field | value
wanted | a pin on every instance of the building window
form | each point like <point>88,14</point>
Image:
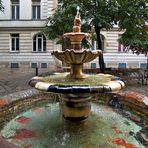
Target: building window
<point>34,65</point>
<point>93,65</point>
<point>36,11</point>
<point>43,65</point>
<point>39,43</point>
<point>15,42</point>
<point>121,65</point>
<point>15,10</point>
<point>143,65</point>
<point>121,47</point>
<point>14,65</point>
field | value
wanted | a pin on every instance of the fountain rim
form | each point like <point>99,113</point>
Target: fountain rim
<point>111,86</point>
<point>76,33</point>
<point>98,51</point>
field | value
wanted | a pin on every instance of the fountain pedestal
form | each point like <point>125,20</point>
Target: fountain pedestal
<point>76,72</point>
<point>75,107</point>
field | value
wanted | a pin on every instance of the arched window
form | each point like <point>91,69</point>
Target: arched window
<point>39,43</point>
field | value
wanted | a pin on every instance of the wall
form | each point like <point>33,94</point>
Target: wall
<point>7,14</point>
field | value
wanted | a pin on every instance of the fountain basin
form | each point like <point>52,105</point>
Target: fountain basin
<point>76,95</point>
<point>36,121</point>
<point>58,83</point>
<point>76,37</point>
<point>71,56</point>
<point>76,58</point>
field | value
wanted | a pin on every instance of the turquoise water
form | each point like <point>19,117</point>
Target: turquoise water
<point>44,127</point>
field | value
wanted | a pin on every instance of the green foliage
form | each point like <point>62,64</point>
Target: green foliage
<point>135,37</point>
<point>129,15</point>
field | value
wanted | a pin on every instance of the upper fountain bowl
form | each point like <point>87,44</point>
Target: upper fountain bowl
<point>76,36</point>
<point>72,56</point>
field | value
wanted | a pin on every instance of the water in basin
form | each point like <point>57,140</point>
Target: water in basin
<point>44,127</point>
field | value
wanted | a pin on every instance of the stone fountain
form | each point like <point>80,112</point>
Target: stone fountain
<point>36,121</point>
<point>75,102</point>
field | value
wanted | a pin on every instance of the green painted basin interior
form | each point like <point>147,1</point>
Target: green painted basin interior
<point>44,127</point>
<point>91,79</point>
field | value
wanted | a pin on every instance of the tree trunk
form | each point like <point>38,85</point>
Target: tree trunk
<point>101,58</point>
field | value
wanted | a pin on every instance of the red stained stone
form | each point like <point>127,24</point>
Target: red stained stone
<point>23,120</point>
<point>2,102</point>
<point>132,95</point>
<point>24,133</point>
<point>5,144</point>
<point>129,145</point>
<point>37,110</point>
<point>28,146</point>
<point>135,118</point>
<point>119,141</point>
<point>107,109</point>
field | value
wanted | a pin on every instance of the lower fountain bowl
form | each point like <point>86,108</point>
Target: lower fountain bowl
<point>75,99</point>
<point>37,122</point>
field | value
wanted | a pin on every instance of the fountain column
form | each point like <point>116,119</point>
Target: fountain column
<point>76,72</point>
<point>76,45</point>
<point>75,107</point>
<point>76,38</point>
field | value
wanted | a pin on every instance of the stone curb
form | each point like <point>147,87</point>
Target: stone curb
<point>17,95</point>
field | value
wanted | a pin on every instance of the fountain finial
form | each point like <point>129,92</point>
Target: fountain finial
<point>77,21</point>
<point>78,9</point>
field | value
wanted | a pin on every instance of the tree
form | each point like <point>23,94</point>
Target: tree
<point>102,14</point>
<point>135,37</point>
<point>56,27</point>
<point>1,6</point>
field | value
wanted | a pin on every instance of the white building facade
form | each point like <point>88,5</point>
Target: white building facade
<point>115,55</point>
<point>23,45</point>
<point>21,40</point>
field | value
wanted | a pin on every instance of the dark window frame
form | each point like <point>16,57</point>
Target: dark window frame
<point>14,65</point>
<point>44,65</point>
<point>15,10</point>
<point>34,65</point>
<point>36,11</point>
<point>39,43</point>
<point>15,42</point>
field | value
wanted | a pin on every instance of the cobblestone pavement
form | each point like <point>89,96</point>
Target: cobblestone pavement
<point>15,80</point>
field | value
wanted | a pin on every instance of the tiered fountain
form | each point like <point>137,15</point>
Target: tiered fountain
<point>36,121</point>
<point>76,87</point>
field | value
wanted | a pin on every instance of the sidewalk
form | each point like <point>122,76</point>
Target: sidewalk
<point>15,80</point>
